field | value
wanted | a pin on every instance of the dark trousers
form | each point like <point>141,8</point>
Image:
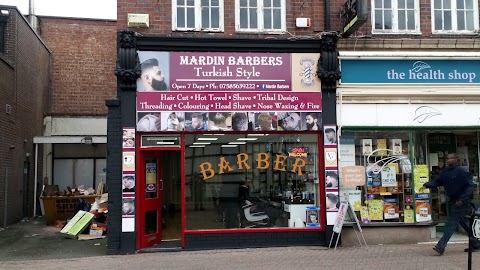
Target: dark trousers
<point>455,217</point>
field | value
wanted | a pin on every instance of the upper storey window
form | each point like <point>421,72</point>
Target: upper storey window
<point>198,15</point>
<point>454,16</point>
<point>395,16</point>
<point>266,16</point>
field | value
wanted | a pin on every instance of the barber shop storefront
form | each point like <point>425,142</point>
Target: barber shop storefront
<point>224,147</point>
<point>399,115</point>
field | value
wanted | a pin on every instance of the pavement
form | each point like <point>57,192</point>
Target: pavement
<point>32,245</point>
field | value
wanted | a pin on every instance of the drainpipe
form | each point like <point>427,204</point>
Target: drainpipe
<point>32,18</point>
<point>327,15</point>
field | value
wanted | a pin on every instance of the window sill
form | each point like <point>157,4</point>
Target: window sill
<point>280,32</point>
<point>456,33</point>
<point>397,33</point>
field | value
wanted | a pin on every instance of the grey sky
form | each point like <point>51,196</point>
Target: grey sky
<point>95,9</point>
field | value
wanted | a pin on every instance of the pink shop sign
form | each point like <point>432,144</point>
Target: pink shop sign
<point>216,71</point>
<point>229,101</point>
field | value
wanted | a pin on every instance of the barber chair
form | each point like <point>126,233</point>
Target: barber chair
<point>252,220</point>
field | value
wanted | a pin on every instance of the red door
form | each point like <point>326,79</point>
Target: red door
<point>149,199</point>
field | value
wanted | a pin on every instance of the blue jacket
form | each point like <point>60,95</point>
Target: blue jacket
<point>456,181</point>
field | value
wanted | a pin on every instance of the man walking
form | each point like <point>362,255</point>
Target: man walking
<point>459,188</point>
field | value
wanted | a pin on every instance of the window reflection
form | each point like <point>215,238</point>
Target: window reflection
<point>260,181</point>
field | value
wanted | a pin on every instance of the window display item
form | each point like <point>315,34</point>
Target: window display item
<point>366,147</point>
<point>396,146</point>
<point>390,208</point>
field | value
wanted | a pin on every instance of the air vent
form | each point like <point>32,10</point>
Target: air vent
<point>8,109</point>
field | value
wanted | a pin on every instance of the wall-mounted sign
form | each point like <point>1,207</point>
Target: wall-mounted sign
<point>262,161</point>
<point>410,71</point>
<point>228,101</point>
<point>222,71</point>
<point>353,14</point>
<point>298,152</point>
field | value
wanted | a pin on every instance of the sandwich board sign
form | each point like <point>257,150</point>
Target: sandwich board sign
<point>345,210</point>
<point>475,226</point>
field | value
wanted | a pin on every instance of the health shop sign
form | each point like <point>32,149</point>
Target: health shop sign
<point>410,71</point>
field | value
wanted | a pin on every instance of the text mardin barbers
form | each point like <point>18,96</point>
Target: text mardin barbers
<point>262,162</point>
<point>231,60</point>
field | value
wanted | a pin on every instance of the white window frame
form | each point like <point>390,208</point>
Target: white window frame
<point>260,27</point>
<point>453,4</point>
<point>198,18</point>
<point>395,29</point>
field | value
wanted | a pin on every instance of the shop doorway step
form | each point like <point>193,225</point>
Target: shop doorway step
<point>164,246</point>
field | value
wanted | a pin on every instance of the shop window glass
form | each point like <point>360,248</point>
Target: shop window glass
<point>256,180</point>
<point>455,16</point>
<point>376,175</point>
<point>74,173</point>
<point>260,15</point>
<point>198,15</point>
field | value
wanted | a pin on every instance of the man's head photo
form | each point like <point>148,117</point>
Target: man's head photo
<point>196,121</point>
<point>311,121</point>
<point>240,121</point>
<point>221,121</point>
<point>265,122</point>
<point>330,135</point>
<point>172,121</point>
<point>331,179</point>
<point>129,183</point>
<point>155,71</point>
<point>289,121</point>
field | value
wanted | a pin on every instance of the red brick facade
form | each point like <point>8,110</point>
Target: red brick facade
<point>84,53</point>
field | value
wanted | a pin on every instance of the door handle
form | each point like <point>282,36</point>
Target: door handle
<point>161,184</point>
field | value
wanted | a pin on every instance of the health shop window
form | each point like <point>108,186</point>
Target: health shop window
<point>395,16</point>
<point>197,15</point>
<point>376,175</point>
<point>236,181</point>
<point>260,16</point>
<point>459,16</point>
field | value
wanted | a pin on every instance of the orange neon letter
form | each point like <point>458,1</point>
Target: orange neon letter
<point>263,160</point>
<point>280,160</point>
<point>299,163</point>
<point>242,161</point>
<point>204,168</point>
<point>223,165</point>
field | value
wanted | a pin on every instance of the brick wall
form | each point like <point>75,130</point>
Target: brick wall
<point>24,85</point>
<point>161,16</point>
<point>84,54</point>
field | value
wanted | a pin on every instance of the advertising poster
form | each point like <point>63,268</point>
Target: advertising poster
<point>389,176</point>
<point>128,138</point>
<point>390,208</point>
<point>312,216</point>
<point>151,177</point>
<point>409,216</point>
<point>364,215</point>
<point>423,211</point>
<point>355,199</point>
<point>128,161</point>
<point>421,176</point>
<point>353,176</point>
<point>375,209</point>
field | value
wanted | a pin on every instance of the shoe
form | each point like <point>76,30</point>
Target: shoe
<point>473,250</point>
<point>438,250</point>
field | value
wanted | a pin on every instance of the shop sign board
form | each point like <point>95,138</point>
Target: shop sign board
<point>177,87</point>
<point>410,71</point>
<point>353,176</point>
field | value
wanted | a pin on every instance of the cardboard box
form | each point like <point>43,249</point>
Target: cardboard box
<point>95,232</point>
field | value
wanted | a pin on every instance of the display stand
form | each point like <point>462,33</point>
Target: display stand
<point>346,209</point>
